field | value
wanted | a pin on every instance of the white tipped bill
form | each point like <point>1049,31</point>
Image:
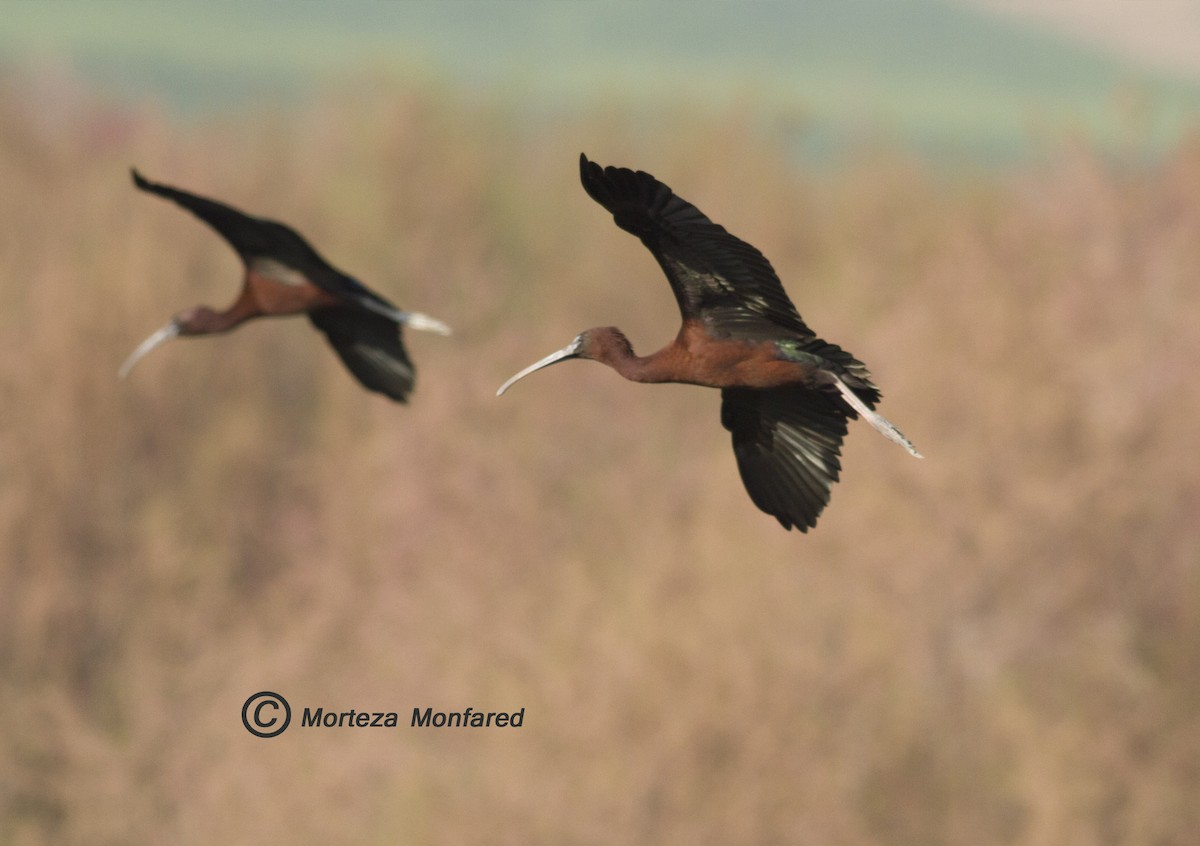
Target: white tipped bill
<point>571,350</point>
<point>161,336</point>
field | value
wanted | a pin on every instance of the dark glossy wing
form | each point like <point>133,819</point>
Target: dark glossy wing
<point>370,346</point>
<point>787,442</point>
<point>832,357</point>
<point>716,277</point>
<point>251,237</point>
<point>268,247</point>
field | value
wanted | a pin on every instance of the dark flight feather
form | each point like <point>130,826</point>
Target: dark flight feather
<point>370,346</point>
<point>716,277</point>
<point>787,442</point>
<point>266,246</point>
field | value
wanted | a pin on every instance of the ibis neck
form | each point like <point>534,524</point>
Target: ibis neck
<point>658,367</point>
<point>209,322</point>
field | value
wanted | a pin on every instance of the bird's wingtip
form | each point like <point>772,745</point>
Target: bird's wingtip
<point>138,180</point>
<point>591,175</point>
<point>587,166</point>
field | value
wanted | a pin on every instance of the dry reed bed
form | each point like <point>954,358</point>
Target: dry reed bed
<point>1000,644</point>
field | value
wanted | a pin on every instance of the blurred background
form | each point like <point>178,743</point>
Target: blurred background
<point>994,204</point>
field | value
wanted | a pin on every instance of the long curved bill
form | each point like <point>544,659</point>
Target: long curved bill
<point>171,330</point>
<point>571,350</point>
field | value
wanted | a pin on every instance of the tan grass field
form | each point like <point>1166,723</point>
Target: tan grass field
<point>997,645</point>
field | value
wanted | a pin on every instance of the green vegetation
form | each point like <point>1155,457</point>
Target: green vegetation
<point>944,80</point>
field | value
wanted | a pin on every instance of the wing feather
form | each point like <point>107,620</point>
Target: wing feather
<point>716,277</point>
<point>370,346</point>
<point>269,247</point>
<point>251,237</point>
<point>787,442</point>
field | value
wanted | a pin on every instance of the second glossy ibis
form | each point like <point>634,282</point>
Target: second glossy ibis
<point>785,393</point>
<point>284,275</point>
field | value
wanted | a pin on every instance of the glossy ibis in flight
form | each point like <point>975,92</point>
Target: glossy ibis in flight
<point>785,393</point>
<point>285,275</point>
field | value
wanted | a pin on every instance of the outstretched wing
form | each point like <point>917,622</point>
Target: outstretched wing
<point>716,277</point>
<point>370,346</point>
<point>251,237</point>
<point>268,247</point>
<point>787,442</point>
